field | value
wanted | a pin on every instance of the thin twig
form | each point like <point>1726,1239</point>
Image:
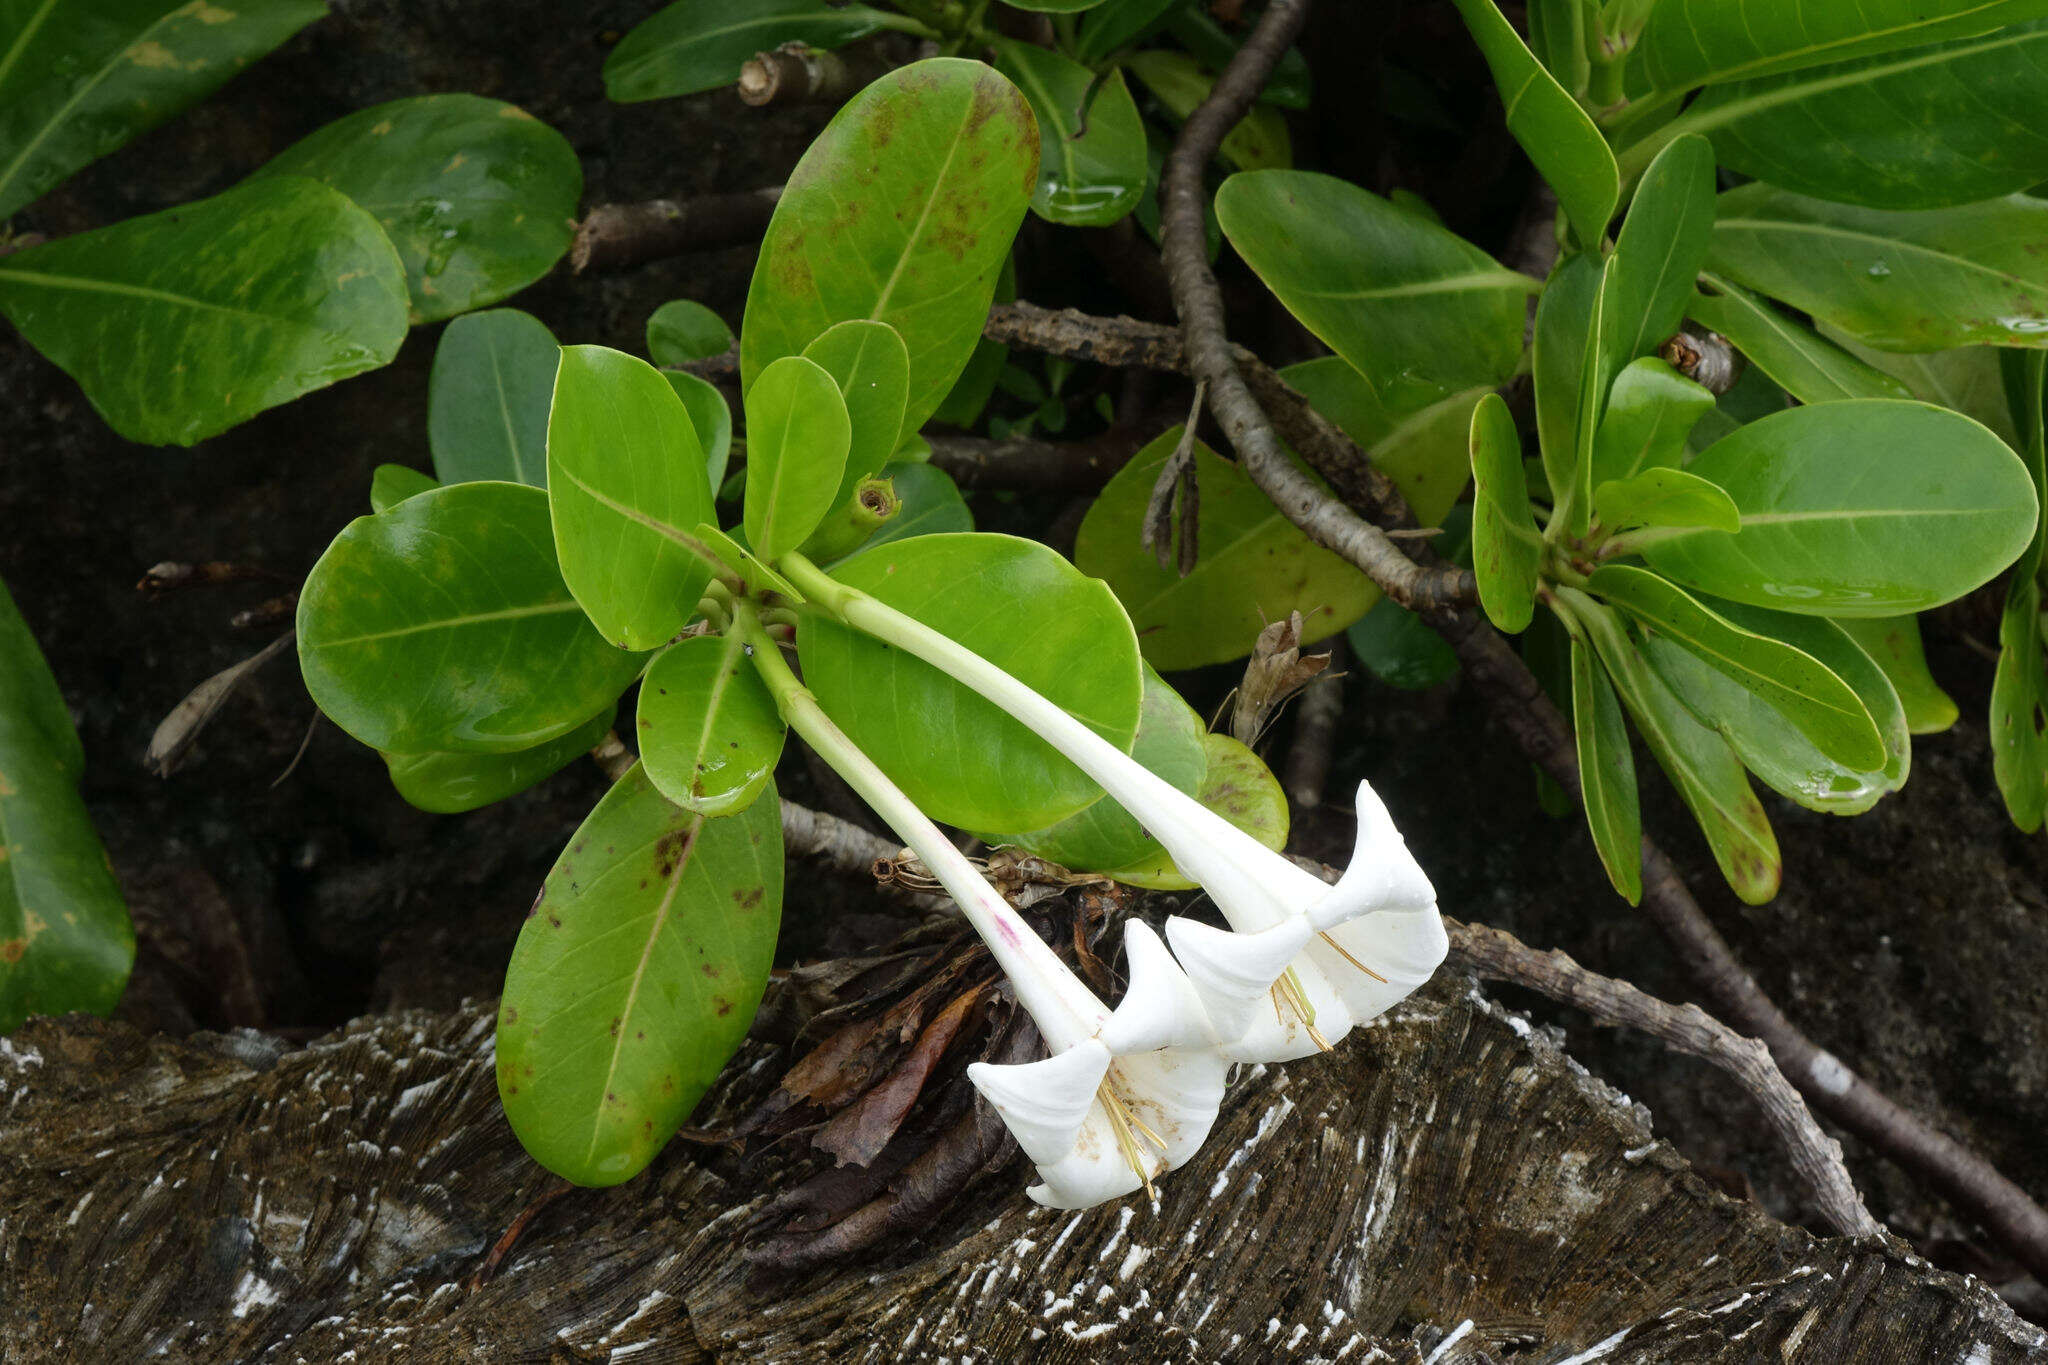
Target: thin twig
<point>613,757</point>
<point>620,236</point>
<point>1026,464</point>
<point>2008,1213</point>
<point>840,844</point>
<point>1497,956</point>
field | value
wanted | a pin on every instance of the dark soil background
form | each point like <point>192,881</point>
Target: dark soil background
<point>1913,941</point>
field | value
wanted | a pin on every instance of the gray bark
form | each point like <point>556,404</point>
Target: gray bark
<point>1449,1187</point>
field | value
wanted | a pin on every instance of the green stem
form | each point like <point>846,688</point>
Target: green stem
<point>1065,1010</point>
<point>1606,86</point>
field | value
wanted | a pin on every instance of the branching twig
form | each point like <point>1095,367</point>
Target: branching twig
<point>1497,956</point>
<point>621,236</point>
<point>2007,1212</point>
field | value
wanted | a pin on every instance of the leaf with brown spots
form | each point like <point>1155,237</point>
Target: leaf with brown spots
<point>65,940</point>
<point>625,998</point>
<point>902,212</point>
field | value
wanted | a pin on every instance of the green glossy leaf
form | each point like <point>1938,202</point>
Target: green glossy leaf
<point>709,731</point>
<point>1505,543</point>
<point>797,435</point>
<point>1117,24</point>
<point>1423,450</point>
<point>1866,507</point>
<point>701,44</point>
<point>931,505</point>
<point>1563,318</point>
<point>31,704</point>
<point>1807,365</point>
<point>78,80</point>
<point>1258,142</point>
<point>1899,281</point>
<point>635,978</point>
<point>1570,471</point>
<point>444,624</point>
<point>2019,708</point>
<point>1698,42</point>
<point>1254,566</point>
<point>1768,744</point>
<point>1924,128</point>
<point>1420,312</point>
<point>1105,835</point>
<point>1766,739</point>
<point>448,784</point>
<point>1650,411</point>
<point>1705,770</point>
<point>2019,688</point>
<point>391,484</point>
<point>1023,608</point>
<point>1607,774</point>
<point>1091,171</point>
<point>1237,785</point>
<point>65,939</point>
<point>1964,378</point>
<point>683,330</point>
<point>478,196</point>
<point>1055,6</point>
<point>1894,643</point>
<point>180,324</point>
<point>1830,643</point>
<point>868,362</point>
<point>1663,244</point>
<point>1664,497</point>
<point>626,482</point>
<point>1800,687</point>
<point>902,211</point>
<point>710,418</point>
<point>488,398</point>
<point>1554,130</point>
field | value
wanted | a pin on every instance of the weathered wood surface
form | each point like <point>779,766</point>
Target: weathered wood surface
<point>1449,1188</point>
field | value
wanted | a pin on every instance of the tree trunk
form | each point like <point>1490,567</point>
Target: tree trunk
<point>1447,1188</point>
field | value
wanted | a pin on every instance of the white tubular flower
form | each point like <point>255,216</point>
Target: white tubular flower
<point>1126,1096</point>
<point>1114,1110</point>
<point>1331,977</point>
<point>1152,1112</point>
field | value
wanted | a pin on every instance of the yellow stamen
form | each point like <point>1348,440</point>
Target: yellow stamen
<point>1120,1121</point>
<point>1290,985</point>
<point>1354,961</point>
